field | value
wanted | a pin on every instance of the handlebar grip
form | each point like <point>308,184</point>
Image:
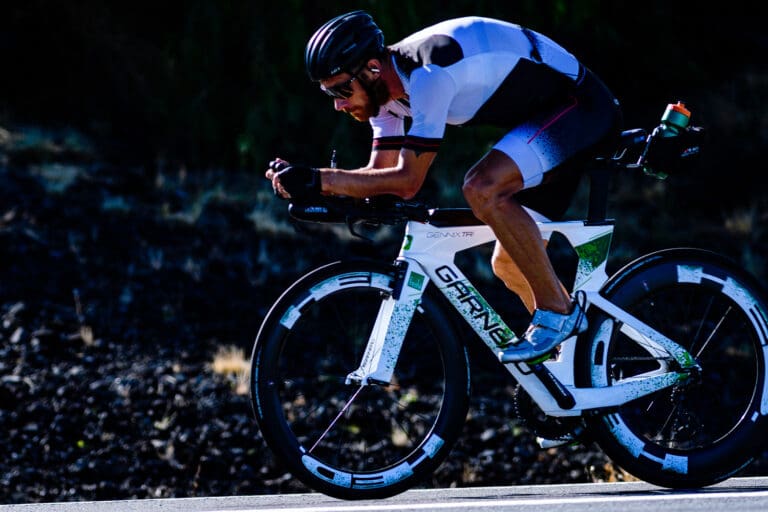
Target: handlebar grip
<point>376,210</point>
<point>313,212</point>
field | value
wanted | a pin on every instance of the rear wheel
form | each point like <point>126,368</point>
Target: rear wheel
<point>346,440</point>
<point>701,431</point>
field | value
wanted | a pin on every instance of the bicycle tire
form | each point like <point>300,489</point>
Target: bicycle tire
<point>390,437</point>
<point>699,433</point>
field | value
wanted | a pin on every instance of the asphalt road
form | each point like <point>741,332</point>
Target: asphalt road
<point>741,494</point>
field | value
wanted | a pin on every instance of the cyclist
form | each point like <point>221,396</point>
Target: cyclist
<point>466,71</point>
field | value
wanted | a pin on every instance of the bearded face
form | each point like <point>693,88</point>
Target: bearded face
<point>358,95</point>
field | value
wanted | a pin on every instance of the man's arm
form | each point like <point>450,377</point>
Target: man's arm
<point>384,159</point>
<point>401,173</point>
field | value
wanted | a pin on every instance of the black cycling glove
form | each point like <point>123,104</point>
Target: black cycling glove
<point>299,181</point>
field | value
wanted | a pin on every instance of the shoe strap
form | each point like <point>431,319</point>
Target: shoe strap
<point>550,319</point>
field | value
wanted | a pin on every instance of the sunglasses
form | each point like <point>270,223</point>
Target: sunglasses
<point>342,90</point>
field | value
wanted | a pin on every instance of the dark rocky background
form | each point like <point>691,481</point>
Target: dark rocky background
<point>118,294</point>
<point>140,246</point>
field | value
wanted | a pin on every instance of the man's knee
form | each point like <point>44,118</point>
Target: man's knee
<point>495,177</point>
<point>474,189</point>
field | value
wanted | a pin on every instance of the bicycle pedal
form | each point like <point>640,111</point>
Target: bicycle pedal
<point>552,354</point>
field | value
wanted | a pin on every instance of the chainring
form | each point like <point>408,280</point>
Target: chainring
<point>548,427</point>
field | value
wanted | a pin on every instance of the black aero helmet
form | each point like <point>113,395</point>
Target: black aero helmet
<point>341,43</point>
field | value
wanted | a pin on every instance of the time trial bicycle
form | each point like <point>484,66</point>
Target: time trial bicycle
<point>361,377</point>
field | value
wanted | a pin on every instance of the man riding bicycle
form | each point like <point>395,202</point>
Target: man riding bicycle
<point>459,72</point>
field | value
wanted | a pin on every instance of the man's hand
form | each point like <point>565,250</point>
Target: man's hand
<point>293,181</point>
<point>273,168</point>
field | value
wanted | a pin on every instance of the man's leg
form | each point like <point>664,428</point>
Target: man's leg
<point>505,269</point>
<point>489,188</point>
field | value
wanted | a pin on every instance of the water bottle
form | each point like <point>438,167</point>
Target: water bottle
<point>655,155</point>
<point>674,120</point>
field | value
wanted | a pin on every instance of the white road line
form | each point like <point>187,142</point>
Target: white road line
<point>514,502</point>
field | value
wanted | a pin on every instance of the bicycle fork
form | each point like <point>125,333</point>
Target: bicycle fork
<point>392,322</point>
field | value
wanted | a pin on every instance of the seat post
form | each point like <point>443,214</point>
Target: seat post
<point>599,183</point>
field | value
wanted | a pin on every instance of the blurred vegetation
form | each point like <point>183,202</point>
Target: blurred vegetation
<point>201,84</point>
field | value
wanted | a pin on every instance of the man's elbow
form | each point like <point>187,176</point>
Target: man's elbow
<point>408,191</point>
<point>409,182</point>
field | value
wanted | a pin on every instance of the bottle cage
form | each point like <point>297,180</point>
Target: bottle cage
<point>669,155</point>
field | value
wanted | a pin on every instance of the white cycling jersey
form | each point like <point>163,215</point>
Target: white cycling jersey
<point>476,70</point>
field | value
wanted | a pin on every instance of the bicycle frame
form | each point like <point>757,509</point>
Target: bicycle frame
<point>428,254</point>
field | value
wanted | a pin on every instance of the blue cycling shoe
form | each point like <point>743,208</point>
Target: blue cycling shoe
<point>547,330</point>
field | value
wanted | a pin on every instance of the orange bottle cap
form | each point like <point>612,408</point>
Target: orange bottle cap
<point>680,107</point>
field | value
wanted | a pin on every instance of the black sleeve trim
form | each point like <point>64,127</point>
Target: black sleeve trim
<point>422,144</point>
<point>386,143</point>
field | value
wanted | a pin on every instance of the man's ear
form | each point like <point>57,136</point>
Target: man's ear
<point>373,66</point>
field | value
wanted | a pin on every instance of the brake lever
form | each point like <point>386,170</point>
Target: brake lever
<point>358,235</point>
<point>351,226</point>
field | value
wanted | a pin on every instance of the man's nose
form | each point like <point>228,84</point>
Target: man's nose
<point>339,103</point>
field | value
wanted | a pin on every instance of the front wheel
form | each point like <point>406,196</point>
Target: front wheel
<point>708,428</point>
<point>343,439</point>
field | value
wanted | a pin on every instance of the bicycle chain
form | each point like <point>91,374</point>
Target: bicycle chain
<point>548,427</point>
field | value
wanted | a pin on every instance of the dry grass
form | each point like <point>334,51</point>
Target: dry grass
<point>741,222</point>
<point>230,362</point>
<point>610,472</point>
